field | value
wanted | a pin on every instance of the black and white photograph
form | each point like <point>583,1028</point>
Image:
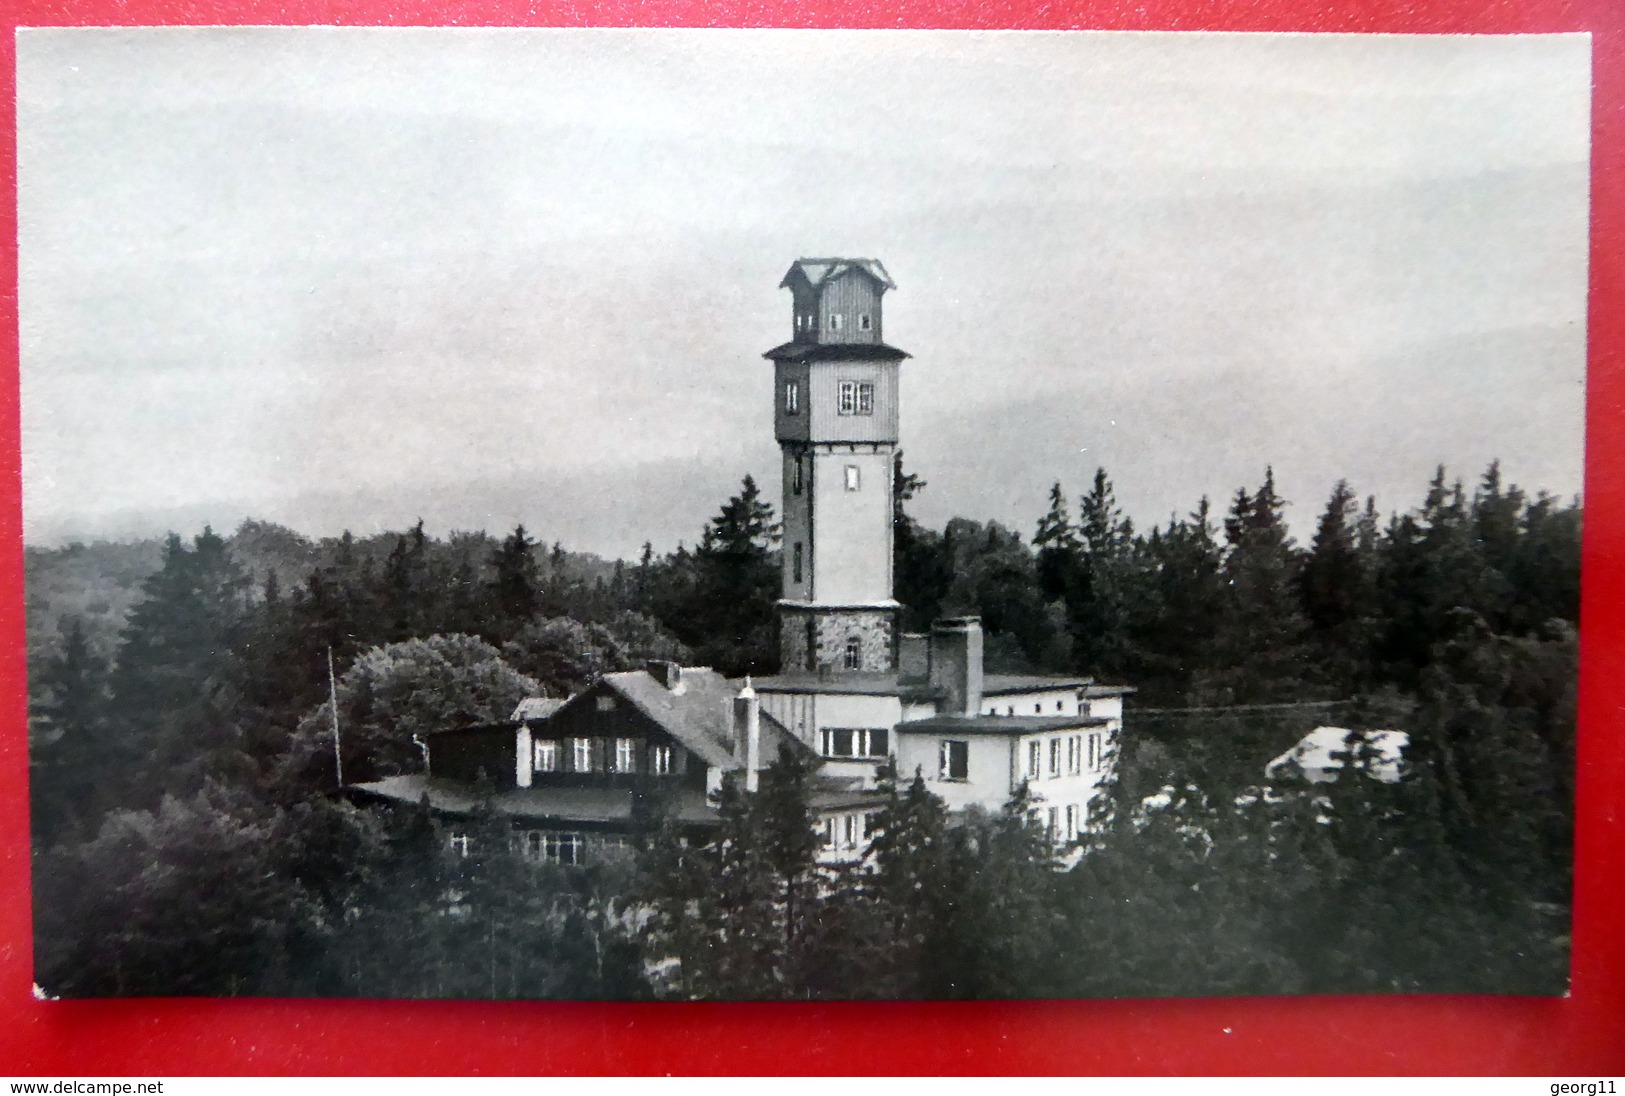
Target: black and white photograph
<point>673,515</point>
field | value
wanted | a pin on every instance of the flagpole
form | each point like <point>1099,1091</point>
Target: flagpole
<point>333,702</point>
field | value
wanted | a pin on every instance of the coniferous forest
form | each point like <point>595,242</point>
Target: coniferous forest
<point>189,838</point>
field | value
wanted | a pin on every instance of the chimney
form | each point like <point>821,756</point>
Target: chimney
<point>522,756</point>
<point>669,674</point>
<point>914,656</point>
<point>748,734</point>
<point>956,663</point>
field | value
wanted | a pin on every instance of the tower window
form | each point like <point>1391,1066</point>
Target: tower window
<point>856,398</point>
<point>795,478</point>
<point>852,477</point>
<point>795,563</point>
<point>863,322</point>
<point>792,398</point>
<point>854,653</point>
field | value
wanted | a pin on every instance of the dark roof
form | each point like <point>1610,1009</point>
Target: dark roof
<point>850,684</point>
<point>507,726</point>
<point>999,724</point>
<point>544,804</point>
<point>818,271</point>
<point>835,352</point>
<point>576,805</point>
<point>1110,690</point>
<point>838,798</point>
<point>700,716</point>
<point>993,684</point>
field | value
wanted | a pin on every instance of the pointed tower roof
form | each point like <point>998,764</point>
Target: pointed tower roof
<point>816,272</point>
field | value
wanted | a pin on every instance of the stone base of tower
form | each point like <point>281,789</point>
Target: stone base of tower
<point>855,639</point>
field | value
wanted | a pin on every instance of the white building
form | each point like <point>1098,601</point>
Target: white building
<point>853,688</point>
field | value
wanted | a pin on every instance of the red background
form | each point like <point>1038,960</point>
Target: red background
<point>1584,1034</point>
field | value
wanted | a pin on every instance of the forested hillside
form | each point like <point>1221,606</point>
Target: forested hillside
<point>177,712</point>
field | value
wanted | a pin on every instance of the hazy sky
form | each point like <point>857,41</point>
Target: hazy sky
<point>348,278</point>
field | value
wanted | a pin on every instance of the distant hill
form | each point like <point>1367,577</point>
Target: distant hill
<point>100,583</point>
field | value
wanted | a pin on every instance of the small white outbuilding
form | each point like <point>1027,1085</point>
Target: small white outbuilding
<point>1313,754</point>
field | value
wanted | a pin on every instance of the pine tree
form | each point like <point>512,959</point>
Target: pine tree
<point>516,587</point>
<point>70,738</point>
<point>406,598</point>
<point>1260,642</point>
<point>908,845</point>
<point>919,565</point>
<point>1336,590</point>
<point>1056,540</point>
<point>1097,607</point>
<point>174,685</point>
<point>729,617</point>
<point>1184,599</point>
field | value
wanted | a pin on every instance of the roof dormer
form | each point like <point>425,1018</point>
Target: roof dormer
<point>836,301</point>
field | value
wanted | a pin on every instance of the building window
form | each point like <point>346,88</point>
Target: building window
<point>1058,705</point>
<point>795,478</point>
<point>852,830</point>
<point>660,760</point>
<point>1038,709</point>
<point>829,833</point>
<point>846,398</point>
<point>854,653</point>
<point>1071,821</point>
<point>795,562</point>
<point>626,755</point>
<point>854,742</point>
<point>459,844</point>
<point>1096,760</point>
<point>581,755</point>
<point>1053,824</point>
<point>863,322</point>
<point>853,477</point>
<point>1054,758</point>
<point>606,704</point>
<point>866,399</point>
<point>563,848</point>
<point>792,398</point>
<point>834,321</point>
<point>1035,760</point>
<point>546,757</point>
<point>1074,754</point>
<point>954,760</point>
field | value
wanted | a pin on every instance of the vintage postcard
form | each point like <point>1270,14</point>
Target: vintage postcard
<point>674,515</point>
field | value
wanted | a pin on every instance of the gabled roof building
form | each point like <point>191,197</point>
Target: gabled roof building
<point>854,690</point>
